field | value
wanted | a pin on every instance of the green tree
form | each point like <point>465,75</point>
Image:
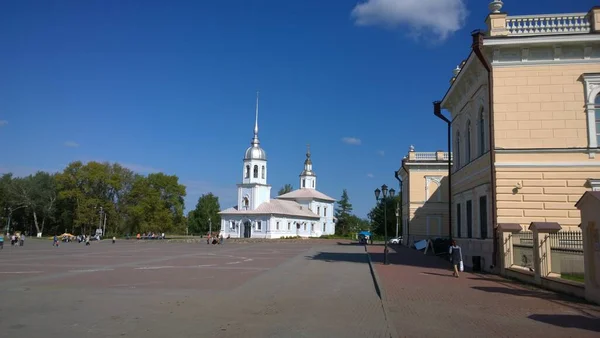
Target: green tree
<point>377,216</point>
<point>285,189</point>
<point>356,224</point>
<point>38,194</point>
<point>343,211</point>
<point>207,208</point>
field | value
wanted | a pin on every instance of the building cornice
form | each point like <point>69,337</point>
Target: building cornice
<point>536,40</point>
<point>546,164</point>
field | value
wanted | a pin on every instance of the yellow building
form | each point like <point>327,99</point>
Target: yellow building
<point>424,195</point>
<point>524,129</point>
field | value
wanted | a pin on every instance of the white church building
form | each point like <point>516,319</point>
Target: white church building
<point>304,212</point>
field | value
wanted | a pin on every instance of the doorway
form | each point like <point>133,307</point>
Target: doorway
<point>247,229</point>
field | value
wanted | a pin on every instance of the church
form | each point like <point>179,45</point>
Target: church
<point>304,212</point>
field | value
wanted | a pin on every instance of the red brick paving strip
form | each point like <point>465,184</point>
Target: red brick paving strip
<point>424,300</point>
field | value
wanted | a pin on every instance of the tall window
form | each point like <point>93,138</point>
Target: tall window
<point>325,211</point>
<point>324,225</point>
<point>469,219</point>
<point>259,225</point>
<point>245,202</point>
<point>458,220</point>
<point>597,117</point>
<point>255,171</point>
<point>289,226</point>
<point>303,183</point>
<point>277,225</point>
<point>468,143</point>
<point>481,133</point>
<point>483,227</point>
<point>263,172</point>
<point>319,211</point>
<point>247,171</point>
<point>457,152</point>
<point>312,226</point>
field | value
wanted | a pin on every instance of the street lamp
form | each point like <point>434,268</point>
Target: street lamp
<point>383,199</point>
<point>209,227</point>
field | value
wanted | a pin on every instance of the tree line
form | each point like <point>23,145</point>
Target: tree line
<point>84,197</point>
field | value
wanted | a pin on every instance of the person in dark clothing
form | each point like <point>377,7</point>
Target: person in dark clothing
<point>456,258</point>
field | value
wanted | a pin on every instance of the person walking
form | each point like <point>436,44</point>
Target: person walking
<point>22,240</point>
<point>114,239</point>
<point>1,241</point>
<point>456,258</point>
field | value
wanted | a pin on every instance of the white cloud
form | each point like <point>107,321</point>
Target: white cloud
<point>351,140</point>
<point>441,17</point>
<point>370,175</point>
<point>381,152</point>
<point>3,123</point>
<point>71,144</point>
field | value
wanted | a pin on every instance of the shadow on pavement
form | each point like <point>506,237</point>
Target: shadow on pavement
<point>340,257</point>
<point>528,293</point>
<point>449,274</point>
<point>401,255</point>
<point>569,321</point>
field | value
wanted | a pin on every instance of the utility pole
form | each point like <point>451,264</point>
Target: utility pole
<point>104,231</point>
<point>100,224</point>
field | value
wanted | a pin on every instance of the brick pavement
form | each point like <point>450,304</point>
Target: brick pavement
<point>424,300</point>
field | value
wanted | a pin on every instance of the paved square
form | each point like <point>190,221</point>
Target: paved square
<point>133,288</point>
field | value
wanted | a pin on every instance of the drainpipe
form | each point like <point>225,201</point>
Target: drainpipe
<point>437,111</point>
<point>397,175</point>
<point>477,47</point>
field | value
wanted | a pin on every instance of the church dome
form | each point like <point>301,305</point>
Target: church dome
<point>255,152</point>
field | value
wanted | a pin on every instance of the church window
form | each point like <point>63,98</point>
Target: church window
<point>319,211</point>
<point>325,211</point>
<point>259,225</point>
<point>313,184</point>
<point>277,225</point>
<point>303,183</point>
<point>245,202</point>
<point>289,225</point>
<point>324,225</point>
<point>304,226</point>
<point>312,226</point>
<point>231,224</point>
<point>255,171</point>
<point>247,171</point>
<point>263,172</point>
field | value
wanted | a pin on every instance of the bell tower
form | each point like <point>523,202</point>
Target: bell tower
<point>254,190</point>
<point>308,178</point>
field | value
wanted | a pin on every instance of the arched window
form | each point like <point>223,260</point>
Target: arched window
<point>313,183</point>
<point>481,133</point>
<point>263,172</point>
<point>303,183</point>
<point>597,117</point>
<point>468,143</point>
<point>245,202</point>
<point>255,171</point>
<point>247,171</point>
<point>457,152</point>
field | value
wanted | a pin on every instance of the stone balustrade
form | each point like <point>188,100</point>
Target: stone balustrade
<point>550,24</point>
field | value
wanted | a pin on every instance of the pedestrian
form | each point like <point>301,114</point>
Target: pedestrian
<point>22,240</point>
<point>55,241</point>
<point>456,258</point>
<point>221,239</point>
<point>208,239</point>
<point>87,240</point>
<point>1,241</point>
<point>114,239</point>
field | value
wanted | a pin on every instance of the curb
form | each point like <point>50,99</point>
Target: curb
<point>382,296</point>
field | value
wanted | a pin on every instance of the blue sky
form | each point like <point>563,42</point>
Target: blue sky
<point>170,85</point>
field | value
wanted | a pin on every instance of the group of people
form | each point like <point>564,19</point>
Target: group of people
<point>16,239</point>
<point>215,239</point>
<point>149,235</point>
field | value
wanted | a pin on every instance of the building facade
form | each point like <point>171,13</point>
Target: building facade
<point>524,125</point>
<point>304,212</point>
<point>424,209</point>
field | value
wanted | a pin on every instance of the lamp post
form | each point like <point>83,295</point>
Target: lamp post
<point>383,200</point>
<point>397,217</point>
<point>209,227</point>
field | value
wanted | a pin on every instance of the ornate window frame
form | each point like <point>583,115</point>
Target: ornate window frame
<point>592,89</point>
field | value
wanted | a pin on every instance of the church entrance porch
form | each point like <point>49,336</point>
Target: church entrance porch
<point>247,229</point>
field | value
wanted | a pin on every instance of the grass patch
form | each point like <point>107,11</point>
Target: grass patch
<point>573,277</point>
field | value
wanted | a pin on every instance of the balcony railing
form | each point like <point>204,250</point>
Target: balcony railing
<point>551,24</point>
<point>428,156</point>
